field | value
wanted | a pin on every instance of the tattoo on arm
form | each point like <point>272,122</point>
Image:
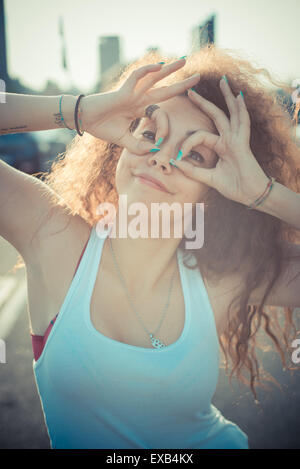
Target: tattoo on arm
<point>57,120</point>
<point>13,130</point>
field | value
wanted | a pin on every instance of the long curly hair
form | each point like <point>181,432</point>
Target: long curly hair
<point>84,176</point>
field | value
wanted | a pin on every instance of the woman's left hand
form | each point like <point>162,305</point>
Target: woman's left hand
<point>237,174</point>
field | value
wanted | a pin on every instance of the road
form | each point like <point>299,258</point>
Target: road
<point>21,419</point>
<point>275,423</point>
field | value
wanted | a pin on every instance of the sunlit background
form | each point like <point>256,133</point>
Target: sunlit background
<point>74,47</point>
<point>264,29</point>
<point>51,47</point>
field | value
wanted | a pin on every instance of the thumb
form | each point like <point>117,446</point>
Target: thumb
<point>204,175</point>
<point>136,146</point>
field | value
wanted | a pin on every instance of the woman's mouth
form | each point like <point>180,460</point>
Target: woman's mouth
<point>150,183</point>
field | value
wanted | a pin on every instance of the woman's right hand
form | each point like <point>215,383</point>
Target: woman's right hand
<point>108,115</point>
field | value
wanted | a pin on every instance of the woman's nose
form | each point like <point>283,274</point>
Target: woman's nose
<point>162,158</point>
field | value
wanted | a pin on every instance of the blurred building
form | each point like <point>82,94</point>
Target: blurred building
<point>31,152</point>
<point>154,49</point>
<point>3,61</point>
<point>109,59</point>
<point>11,85</point>
<point>203,33</point>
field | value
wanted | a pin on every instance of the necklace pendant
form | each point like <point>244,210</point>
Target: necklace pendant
<point>156,342</point>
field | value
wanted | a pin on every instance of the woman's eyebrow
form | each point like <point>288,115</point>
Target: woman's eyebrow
<point>187,134</point>
<point>191,132</point>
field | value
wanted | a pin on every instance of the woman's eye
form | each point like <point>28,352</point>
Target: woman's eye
<point>196,156</point>
<point>193,154</point>
<point>148,132</point>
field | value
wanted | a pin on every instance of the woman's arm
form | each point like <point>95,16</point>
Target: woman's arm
<point>282,203</point>
<point>239,177</point>
<point>28,113</point>
<point>25,201</point>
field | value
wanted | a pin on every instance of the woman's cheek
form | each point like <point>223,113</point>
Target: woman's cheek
<point>120,179</point>
<point>124,171</point>
<point>189,187</point>
<point>123,163</point>
<point>128,160</point>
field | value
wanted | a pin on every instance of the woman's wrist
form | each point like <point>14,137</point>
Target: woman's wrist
<point>284,204</point>
<point>68,103</point>
<point>95,108</point>
<point>29,113</point>
<point>86,105</point>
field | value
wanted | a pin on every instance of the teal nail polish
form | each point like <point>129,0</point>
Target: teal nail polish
<point>241,93</point>
<point>159,141</point>
<point>154,149</point>
<point>183,57</point>
<point>178,157</point>
<point>225,78</point>
<point>193,89</point>
<point>160,62</point>
<point>172,162</point>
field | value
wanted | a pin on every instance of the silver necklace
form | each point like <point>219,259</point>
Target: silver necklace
<point>156,343</point>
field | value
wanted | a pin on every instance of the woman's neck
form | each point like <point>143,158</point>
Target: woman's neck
<point>143,262</point>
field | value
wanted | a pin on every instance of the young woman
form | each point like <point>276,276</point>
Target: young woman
<point>127,330</point>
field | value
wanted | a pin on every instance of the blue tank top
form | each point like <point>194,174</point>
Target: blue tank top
<point>97,392</point>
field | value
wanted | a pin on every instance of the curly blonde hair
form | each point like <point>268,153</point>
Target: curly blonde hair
<point>84,176</point>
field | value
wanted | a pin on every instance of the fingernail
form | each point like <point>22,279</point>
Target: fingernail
<point>160,62</point>
<point>159,141</point>
<point>154,149</point>
<point>178,157</point>
<point>183,57</point>
<point>172,162</point>
<point>241,93</point>
<point>193,89</point>
<point>225,78</point>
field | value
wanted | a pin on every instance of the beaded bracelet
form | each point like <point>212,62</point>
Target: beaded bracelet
<point>264,195</point>
<point>76,115</point>
<point>60,112</point>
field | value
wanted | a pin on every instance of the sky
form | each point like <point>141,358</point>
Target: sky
<point>264,30</point>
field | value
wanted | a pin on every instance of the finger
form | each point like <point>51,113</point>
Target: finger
<point>201,137</point>
<point>157,95</point>
<point>232,105</point>
<point>244,118</point>
<point>166,70</point>
<point>217,115</point>
<point>161,119</point>
<point>134,145</point>
<point>204,175</point>
<point>137,75</point>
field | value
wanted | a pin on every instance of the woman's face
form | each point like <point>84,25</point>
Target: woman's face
<point>183,116</point>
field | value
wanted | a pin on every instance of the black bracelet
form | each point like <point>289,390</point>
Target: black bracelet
<point>76,114</point>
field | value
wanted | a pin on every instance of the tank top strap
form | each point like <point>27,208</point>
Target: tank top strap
<point>83,277</point>
<point>202,314</point>
<point>91,268</point>
<point>77,301</point>
<point>69,312</point>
